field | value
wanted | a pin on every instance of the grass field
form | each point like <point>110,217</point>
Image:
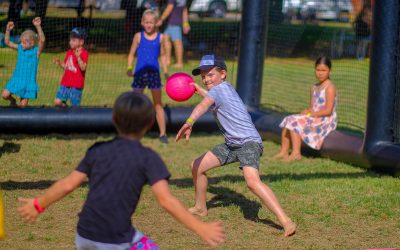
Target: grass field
<point>336,206</point>
<point>288,70</point>
<point>106,78</point>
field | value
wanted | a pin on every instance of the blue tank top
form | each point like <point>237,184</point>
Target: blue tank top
<point>147,54</point>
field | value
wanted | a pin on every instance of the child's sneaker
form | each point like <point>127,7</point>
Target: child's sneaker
<point>164,139</point>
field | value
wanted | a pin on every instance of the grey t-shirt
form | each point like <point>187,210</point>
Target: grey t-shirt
<point>231,114</point>
<point>176,15</point>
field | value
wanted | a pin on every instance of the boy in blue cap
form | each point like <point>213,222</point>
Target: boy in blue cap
<point>74,66</point>
<point>242,141</point>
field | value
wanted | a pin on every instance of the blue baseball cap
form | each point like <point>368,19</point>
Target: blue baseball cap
<point>78,32</point>
<point>208,62</point>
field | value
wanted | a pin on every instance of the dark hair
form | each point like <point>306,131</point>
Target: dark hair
<point>132,113</point>
<point>79,33</point>
<point>324,60</point>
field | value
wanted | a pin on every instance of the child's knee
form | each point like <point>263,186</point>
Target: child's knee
<point>6,94</point>
<point>158,107</point>
<point>252,183</point>
<point>58,102</point>
<point>23,103</point>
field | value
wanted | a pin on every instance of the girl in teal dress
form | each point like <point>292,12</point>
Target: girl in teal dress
<point>23,81</point>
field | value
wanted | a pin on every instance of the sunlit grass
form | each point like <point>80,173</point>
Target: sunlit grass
<point>337,206</point>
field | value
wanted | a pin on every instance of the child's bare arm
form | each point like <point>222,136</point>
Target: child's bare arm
<point>213,233</point>
<point>10,26</point>
<point>198,111</point>
<point>132,51</point>
<point>37,22</point>
<point>185,21</point>
<point>59,62</point>
<point>82,65</point>
<point>165,14</point>
<point>58,190</point>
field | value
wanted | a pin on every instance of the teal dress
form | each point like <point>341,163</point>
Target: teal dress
<point>23,81</point>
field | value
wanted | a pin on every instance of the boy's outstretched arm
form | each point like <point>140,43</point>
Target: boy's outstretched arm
<point>213,233</point>
<point>10,26</point>
<point>198,111</point>
<point>37,22</point>
<point>132,51</point>
<point>58,190</point>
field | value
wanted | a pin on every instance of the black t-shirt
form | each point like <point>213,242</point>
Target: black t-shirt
<point>117,171</point>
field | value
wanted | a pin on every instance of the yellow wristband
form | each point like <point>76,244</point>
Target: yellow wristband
<point>130,67</point>
<point>309,114</point>
<point>190,121</point>
<point>186,24</point>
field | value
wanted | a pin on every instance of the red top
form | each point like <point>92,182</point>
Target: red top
<point>73,76</point>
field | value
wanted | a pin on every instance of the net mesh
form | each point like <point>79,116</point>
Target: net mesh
<point>396,125</point>
<point>297,35</point>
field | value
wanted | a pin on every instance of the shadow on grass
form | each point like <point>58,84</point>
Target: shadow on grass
<point>28,185</point>
<point>9,147</point>
<point>187,182</point>
<point>225,197</point>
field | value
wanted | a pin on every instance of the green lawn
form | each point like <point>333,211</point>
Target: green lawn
<point>336,206</point>
<point>288,69</point>
<point>286,83</point>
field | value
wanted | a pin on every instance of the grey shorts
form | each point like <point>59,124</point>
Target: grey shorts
<point>85,244</point>
<point>248,154</point>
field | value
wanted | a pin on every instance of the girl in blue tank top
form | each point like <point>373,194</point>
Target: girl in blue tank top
<point>23,81</point>
<point>147,45</point>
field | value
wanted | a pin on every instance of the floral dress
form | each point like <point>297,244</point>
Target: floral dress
<point>313,130</point>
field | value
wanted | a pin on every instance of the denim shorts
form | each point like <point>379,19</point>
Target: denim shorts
<point>150,79</point>
<point>174,31</point>
<point>248,154</point>
<point>69,93</point>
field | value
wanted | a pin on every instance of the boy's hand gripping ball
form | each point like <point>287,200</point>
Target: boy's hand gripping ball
<point>179,87</point>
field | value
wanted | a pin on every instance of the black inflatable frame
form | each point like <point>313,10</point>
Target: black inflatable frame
<point>376,150</point>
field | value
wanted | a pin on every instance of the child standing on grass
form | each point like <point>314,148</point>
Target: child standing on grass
<point>74,66</point>
<point>148,46</point>
<point>314,123</point>
<point>242,141</point>
<point>117,171</point>
<point>23,81</point>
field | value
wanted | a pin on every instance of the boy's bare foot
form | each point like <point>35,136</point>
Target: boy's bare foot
<point>280,155</point>
<point>290,228</point>
<point>197,211</point>
<point>292,157</point>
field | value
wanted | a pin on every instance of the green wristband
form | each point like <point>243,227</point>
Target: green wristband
<point>190,121</point>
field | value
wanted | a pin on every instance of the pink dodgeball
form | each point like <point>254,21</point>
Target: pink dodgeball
<point>178,87</point>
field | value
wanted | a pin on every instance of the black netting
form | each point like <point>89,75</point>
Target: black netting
<point>396,123</point>
<point>335,29</point>
<point>298,33</point>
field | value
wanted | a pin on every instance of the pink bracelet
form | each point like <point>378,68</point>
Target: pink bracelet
<point>38,208</point>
